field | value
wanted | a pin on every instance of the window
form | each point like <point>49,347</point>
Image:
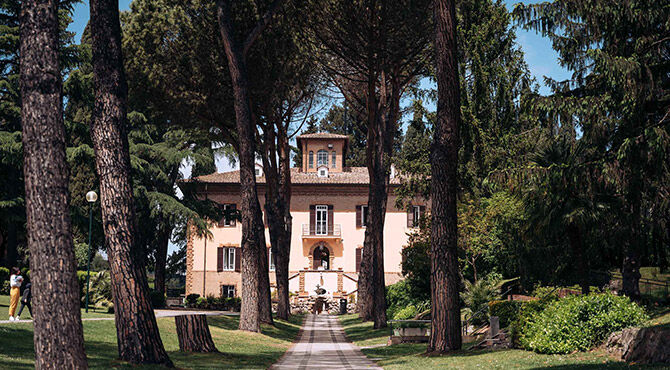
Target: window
<point>321,158</point>
<point>228,259</point>
<point>228,291</point>
<point>229,214</point>
<point>321,220</point>
<point>271,260</point>
<point>334,160</point>
<point>259,172</point>
<point>311,159</point>
<point>364,216</point>
<point>323,172</point>
<point>417,215</point>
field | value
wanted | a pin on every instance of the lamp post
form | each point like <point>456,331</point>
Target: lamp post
<point>91,197</point>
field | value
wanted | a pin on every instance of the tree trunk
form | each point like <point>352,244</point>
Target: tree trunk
<point>580,263</point>
<point>630,271</point>
<point>162,242</point>
<point>138,339</point>
<point>193,334</point>
<point>445,334</point>
<point>253,233</point>
<point>58,336</point>
<point>276,162</point>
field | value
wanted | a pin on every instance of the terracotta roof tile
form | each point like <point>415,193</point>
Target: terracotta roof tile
<point>322,135</point>
<point>350,175</point>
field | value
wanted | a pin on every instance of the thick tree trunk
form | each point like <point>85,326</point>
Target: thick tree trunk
<point>276,163</point>
<point>253,233</point>
<point>58,336</point>
<point>580,263</point>
<point>445,334</point>
<point>138,339</point>
<point>193,334</point>
<point>162,242</point>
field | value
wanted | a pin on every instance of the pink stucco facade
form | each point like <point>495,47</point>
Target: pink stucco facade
<point>343,192</point>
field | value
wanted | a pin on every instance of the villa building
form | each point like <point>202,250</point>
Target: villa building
<point>329,209</point>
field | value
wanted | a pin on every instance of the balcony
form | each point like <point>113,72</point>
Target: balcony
<point>313,231</point>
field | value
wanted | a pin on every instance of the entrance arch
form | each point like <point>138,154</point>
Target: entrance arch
<point>321,256</point>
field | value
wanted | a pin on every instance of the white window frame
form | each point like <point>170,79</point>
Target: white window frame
<point>226,217</point>
<point>321,225</point>
<point>228,290</point>
<point>364,215</point>
<point>416,210</point>
<point>271,262</point>
<point>258,172</point>
<point>322,158</point>
<point>228,259</point>
<point>323,171</point>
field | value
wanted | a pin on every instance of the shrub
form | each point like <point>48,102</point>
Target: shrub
<point>192,298</point>
<point>201,302</point>
<point>476,297</point>
<point>4,274</point>
<point>507,311</point>
<point>578,323</point>
<point>5,287</point>
<point>158,299</point>
<point>406,313</point>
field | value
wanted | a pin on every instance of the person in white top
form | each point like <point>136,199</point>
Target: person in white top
<point>15,281</point>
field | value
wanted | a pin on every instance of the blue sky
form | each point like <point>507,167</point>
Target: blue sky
<point>541,58</point>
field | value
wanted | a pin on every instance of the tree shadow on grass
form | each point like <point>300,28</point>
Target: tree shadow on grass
<point>357,331</point>
<point>284,330</point>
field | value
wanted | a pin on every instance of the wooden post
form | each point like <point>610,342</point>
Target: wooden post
<point>193,333</point>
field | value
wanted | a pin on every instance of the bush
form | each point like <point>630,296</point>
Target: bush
<point>4,274</point>
<point>158,299</point>
<point>5,287</point>
<point>192,298</point>
<point>507,311</point>
<point>407,313</point>
<point>578,323</point>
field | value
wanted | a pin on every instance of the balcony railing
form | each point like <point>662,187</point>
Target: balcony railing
<point>317,231</point>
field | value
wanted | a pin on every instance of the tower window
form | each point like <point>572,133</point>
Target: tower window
<point>321,158</point>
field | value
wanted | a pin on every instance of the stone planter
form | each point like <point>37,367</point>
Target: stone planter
<point>411,332</point>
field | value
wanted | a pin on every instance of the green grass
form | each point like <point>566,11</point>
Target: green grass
<point>237,350</point>
<point>412,356</point>
<point>25,315</point>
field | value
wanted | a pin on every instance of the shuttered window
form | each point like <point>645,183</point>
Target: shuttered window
<point>359,256</point>
<point>226,259</point>
<point>229,215</point>
<point>414,214</point>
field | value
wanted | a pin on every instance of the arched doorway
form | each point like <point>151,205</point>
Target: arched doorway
<point>321,258</point>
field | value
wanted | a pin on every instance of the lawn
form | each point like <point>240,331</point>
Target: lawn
<point>25,315</point>
<point>411,356</point>
<point>238,350</point>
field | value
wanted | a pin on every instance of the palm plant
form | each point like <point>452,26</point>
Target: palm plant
<point>566,196</point>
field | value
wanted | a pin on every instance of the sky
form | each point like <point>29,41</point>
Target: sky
<point>542,60</point>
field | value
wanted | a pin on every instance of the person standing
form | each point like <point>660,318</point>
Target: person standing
<point>25,301</point>
<point>15,281</point>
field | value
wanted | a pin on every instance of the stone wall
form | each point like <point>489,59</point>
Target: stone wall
<point>306,305</point>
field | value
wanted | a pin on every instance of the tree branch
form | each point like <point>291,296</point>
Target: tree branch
<point>260,26</point>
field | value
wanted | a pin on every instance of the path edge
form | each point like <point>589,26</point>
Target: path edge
<point>295,342</point>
